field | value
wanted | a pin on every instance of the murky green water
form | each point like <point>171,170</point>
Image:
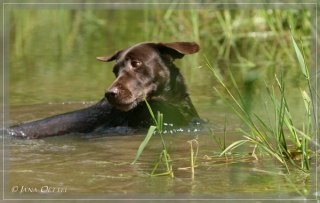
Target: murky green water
<point>52,69</point>
<point>99,166</point>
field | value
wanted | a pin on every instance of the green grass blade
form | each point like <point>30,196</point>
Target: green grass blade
<point>300,58</point>
<point>270,151</point>
<point>233,145</point>
<point>303,135</point>
<point>144,143</point>
<point>263,123</point>
<point>151,112</point>
<point>307,101</point>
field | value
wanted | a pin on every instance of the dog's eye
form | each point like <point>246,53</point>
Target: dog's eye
<point>136,63</point>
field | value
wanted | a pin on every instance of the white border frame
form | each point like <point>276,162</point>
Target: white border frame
<point>154,3</point>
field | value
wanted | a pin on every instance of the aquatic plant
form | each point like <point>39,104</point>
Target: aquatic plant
<point>164,157</point>
<point>221,143</point>
<point>274,138</point>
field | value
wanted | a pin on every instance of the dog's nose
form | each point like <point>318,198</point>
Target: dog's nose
<point>111,93</point>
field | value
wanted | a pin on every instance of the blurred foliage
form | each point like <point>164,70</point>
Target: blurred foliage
<point>52,51</point>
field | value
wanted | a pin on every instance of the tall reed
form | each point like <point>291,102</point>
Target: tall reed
<point>274,139</point>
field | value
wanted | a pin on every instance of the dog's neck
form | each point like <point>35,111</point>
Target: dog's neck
<point>175,89</point>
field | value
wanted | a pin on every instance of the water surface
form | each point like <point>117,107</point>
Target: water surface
<point>100,165</point>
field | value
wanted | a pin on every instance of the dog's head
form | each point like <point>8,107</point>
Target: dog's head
<point>142,71</point>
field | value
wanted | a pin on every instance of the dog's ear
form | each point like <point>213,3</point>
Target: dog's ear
<point>178,49</point>
<point>109,58</point>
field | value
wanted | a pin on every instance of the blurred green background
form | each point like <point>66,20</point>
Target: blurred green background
<point>52,51</point>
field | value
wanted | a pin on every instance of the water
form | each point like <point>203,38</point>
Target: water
<point>100,165</point>
<point>53,71</point>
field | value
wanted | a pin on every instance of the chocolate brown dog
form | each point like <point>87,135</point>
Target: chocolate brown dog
<point>143,71</point>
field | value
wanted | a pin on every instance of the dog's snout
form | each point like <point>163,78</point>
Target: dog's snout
<point>112,93</point>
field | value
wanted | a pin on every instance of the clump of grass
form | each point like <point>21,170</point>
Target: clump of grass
<point>164,157</point>
<point>220,142</point>
<point>275,138</point>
